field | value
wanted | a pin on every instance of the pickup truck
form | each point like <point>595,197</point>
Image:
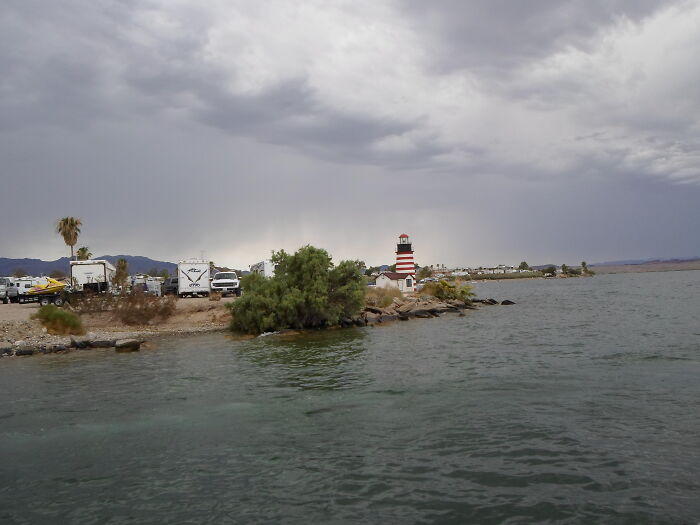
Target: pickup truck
<point>4,284</point>
<point>226,283</point>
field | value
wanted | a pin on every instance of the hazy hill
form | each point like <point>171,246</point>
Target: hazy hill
<point>37,267</point>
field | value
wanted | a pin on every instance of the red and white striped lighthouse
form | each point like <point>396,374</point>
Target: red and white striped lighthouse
<point>404,256</point>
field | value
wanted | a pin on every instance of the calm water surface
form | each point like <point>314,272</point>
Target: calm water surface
<point>580,404</point>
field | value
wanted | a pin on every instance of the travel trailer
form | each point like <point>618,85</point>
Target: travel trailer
<point>92,275</point>
<point>193,278</point>
<point>264,268</point>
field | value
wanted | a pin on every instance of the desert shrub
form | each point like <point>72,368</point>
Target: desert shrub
<point>141,309</point>
<point>215,296</point>
<point>381,297</point>
<point>446,291</point>
<point>307,291</point>
<point>88,303</point>
<point>58,321</point>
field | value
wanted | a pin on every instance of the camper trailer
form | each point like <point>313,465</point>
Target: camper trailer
<point>193,278</point>
<point>91,275</point>
<point>24,284</point>
<point>264,268</point>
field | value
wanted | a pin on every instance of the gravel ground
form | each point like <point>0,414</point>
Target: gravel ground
<point>19,331</point>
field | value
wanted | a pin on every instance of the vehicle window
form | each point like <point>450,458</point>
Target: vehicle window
<point>223,275</point>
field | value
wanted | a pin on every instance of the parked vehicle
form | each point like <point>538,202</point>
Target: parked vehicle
<point>12,290</point>
<point>264,268</point>
<point>170,286</point>
<point>4,283</point>
<point>193,278</point>
<point>50,292</point>
<point>23,285</point>
<point>92,275</point>
<point>227,283</point>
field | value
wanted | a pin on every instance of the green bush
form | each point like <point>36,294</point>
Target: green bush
<point>446,291</point>
<point>307,291</point>
<point>58,321</point>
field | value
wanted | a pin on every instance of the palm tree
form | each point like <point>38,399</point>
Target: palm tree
<point>69,229</point>
<point>84,253</point>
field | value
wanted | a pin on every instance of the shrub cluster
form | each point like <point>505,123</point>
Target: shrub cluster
<point>446,291</point>
<point>89,303</point>
<point>141,309</point>
<point>58,321</point>
<point>307,291</point>
<point>381,297</point>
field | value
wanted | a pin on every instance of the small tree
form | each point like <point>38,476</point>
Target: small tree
<point>372,269</point>
<point>424,273</point>
<point>564,269</point>
<point>58,274</point>
<point>307,291</point>
<point>524,266</point>
<point>122,273</point>
<point>83,253</point>
<point>19,272</point>
<point>549,270</point>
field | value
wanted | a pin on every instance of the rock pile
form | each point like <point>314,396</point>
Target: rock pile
<point>22,338</point>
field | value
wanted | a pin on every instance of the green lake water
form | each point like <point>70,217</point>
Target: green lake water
<point>579,404</point>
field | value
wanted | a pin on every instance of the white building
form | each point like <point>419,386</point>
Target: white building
<point>404,282</point>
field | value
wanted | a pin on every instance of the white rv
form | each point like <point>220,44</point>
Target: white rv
<point>92,275</point>
<point>193,278</point>
<point>23,285</point>
<point>264,268</point>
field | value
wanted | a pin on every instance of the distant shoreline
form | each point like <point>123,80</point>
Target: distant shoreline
<point>656,266</point>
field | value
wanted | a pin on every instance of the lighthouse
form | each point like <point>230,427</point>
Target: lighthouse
<point>404,256</point>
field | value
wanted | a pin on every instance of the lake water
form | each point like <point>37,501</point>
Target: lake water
<point>579,404</point>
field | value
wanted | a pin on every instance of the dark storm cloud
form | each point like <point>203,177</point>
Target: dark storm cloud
<point>501,34</point>
<point>302,120</point>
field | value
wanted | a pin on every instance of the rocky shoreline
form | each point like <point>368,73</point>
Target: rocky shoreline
<point>25,338</point>
<point>419,307</point>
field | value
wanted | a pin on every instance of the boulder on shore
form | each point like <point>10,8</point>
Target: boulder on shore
<point>102,343</point>
<point>127,345</point>
<point>79,343</point>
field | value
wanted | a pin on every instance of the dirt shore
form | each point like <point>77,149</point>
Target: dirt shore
<point>18,329</point>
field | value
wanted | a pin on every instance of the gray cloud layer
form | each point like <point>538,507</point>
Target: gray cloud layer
<point>492,131</point>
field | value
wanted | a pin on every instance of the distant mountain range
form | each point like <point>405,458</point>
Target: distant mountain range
<point>646,261</point>
<point>37,267</point>
<point>627,262</point>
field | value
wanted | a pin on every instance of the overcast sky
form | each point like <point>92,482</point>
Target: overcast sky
<point>491,131</point>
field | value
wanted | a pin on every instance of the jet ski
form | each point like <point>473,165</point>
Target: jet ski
<point>51,287</point>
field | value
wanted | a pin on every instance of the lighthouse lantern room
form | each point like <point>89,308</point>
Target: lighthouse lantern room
<point>404,256</point>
